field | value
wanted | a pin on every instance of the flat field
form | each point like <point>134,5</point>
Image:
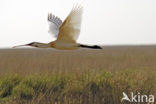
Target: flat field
<point>85,76</point>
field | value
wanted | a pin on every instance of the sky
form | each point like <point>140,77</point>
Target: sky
<point>105,22</point>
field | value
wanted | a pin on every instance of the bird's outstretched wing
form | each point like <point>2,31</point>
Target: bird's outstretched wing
<point>70,29</point>
<point>54,24</point>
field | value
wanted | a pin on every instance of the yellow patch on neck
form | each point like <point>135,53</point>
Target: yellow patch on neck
<point>52,44</point>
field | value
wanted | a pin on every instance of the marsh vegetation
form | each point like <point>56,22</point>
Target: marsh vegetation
<point>46,76</point>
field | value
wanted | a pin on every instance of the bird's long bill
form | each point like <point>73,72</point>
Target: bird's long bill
<point>20,46</point>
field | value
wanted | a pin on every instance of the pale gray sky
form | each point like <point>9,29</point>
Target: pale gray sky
<point>104,21</point>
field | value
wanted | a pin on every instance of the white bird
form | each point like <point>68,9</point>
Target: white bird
<point>66,32</point>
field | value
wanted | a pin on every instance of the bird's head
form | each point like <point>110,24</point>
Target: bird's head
<point>35,44</point>
<point>32,44</point>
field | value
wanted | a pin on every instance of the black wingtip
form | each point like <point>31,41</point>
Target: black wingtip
<point>93,47</point>
<point>97,47</point>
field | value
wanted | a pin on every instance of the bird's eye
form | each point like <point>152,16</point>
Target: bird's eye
<point>30,44</point>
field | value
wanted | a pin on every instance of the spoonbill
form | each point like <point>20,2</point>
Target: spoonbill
<point>66,33</point>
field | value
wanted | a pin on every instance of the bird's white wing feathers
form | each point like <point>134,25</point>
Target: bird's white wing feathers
<point>54,24</point>
<point>70,28</point>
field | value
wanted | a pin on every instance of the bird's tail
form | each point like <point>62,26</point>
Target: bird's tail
<point>93,47</point>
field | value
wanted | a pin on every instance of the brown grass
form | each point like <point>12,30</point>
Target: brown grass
<point>100,76</point>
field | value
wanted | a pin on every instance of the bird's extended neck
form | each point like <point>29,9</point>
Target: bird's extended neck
<point>43,45</point>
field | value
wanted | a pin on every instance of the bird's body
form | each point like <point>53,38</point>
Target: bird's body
<point>63,45</point>
<point>66,32</point>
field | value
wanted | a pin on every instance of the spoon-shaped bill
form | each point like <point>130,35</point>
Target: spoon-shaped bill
<point>20,46</point>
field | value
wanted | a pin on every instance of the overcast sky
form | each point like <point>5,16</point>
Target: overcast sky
<point>104,22</point>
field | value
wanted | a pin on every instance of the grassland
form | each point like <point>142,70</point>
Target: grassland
<point>47,76</point>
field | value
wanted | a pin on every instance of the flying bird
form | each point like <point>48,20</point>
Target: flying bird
<point>66,32</point>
